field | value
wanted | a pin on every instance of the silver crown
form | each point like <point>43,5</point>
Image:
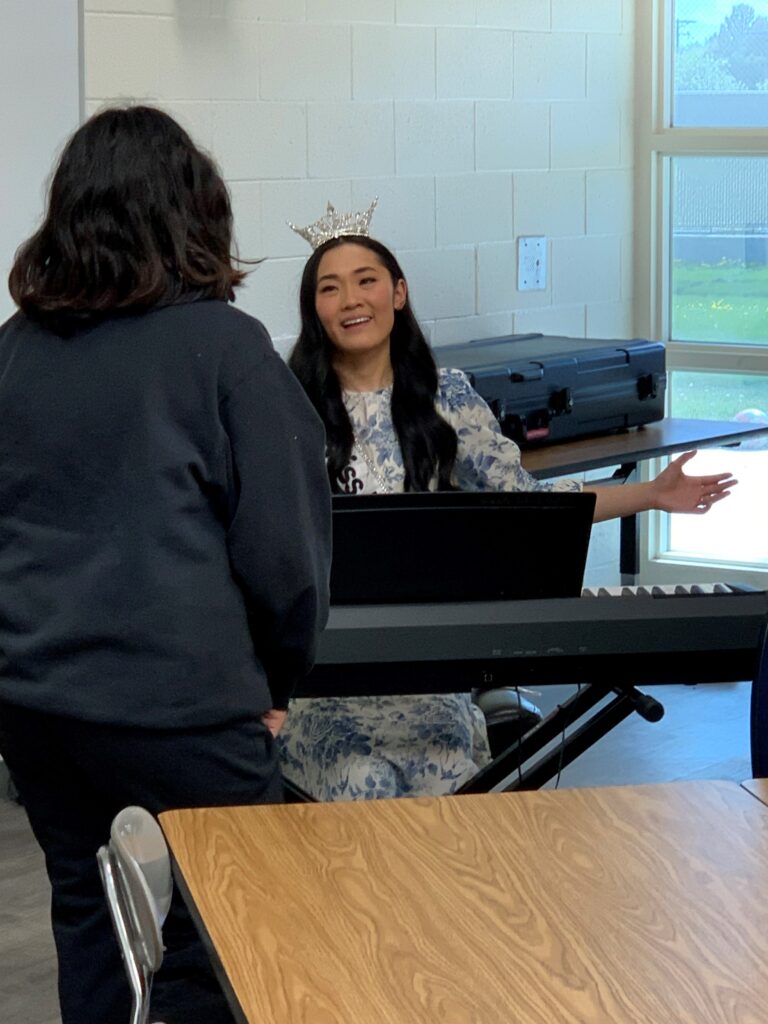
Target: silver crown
<point>335,224</point>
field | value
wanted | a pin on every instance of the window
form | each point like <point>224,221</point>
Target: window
<point>702,258</point>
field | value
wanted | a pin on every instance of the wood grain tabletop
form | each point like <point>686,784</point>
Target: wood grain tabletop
<point>644,904</point>
<point>666,437</point>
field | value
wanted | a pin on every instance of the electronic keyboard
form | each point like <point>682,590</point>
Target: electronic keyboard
<point>659,634</point>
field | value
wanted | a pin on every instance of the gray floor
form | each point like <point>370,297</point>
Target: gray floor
<point>27,963</point>
<point>704,734</point>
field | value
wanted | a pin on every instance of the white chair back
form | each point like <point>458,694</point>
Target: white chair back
<point>139,843</point>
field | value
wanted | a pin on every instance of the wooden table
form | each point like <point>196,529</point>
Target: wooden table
<point>642,904</point>
<point>666,437</point>
<point>626,450</point>
<point>758,788</point>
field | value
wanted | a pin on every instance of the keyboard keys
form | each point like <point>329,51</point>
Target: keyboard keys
<point>662,590</point>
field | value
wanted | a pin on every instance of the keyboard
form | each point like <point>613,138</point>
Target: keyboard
<point>641,635</point>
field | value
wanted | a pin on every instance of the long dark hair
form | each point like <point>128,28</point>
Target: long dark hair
<point>137,216</point>
<point>428,444</point>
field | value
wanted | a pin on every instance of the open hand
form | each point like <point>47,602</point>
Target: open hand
<point>675,491</point>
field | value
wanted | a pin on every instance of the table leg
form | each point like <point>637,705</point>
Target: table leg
<point>629,550</point>
<point>629,534</point>
<point>759,713</point>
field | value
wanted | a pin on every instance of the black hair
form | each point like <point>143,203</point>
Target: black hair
<point>137,216</point>
<point>427,442</point>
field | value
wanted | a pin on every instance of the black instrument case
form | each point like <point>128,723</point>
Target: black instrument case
<point>546,389</point>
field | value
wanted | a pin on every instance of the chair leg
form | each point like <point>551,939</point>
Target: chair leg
<point>139,984</point>
<point>140,991</point>
<point>140,1011</point>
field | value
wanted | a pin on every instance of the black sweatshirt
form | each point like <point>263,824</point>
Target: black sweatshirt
<point>164,519</point>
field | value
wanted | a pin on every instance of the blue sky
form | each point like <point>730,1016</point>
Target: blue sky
<point>708,15</point>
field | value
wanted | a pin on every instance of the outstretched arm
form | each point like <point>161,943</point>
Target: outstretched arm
<point>671,491</point>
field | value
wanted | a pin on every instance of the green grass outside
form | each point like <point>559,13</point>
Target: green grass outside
<point>725,302</point>
<point>716,396</point>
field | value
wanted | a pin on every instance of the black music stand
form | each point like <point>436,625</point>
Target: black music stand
<point>457,546</point>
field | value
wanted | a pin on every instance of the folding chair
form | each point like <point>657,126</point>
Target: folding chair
<point>135,871</point>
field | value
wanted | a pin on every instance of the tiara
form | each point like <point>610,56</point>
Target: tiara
<point>335,224</point>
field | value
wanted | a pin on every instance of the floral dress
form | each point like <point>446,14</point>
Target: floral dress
<point>351,748</point>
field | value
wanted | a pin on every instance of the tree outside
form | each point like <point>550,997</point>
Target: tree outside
<point>735,58</point>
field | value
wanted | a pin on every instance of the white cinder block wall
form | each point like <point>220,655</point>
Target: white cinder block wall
<point>474,121</point>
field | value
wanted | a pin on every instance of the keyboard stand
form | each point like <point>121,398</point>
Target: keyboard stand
<point>510,762</point>
<point>295,794</point>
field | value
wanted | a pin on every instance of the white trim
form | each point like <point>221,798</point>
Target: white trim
<point>81,58</point>
<point>711,141</point>
<point>716,358</point>
<point>656,143</point>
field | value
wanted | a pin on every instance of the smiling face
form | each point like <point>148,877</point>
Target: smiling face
<point>356,299</point>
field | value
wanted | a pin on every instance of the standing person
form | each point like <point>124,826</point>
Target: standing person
<point>395,423</point>
<point>164,534</point>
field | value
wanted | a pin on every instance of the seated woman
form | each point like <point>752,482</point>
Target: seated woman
<point>394,423</point>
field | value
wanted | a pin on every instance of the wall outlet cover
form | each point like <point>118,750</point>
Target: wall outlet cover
<point>531,263</point>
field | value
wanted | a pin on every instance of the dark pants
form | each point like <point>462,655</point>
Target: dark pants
<point>73,777</point>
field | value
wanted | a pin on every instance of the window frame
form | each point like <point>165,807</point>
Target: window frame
<point>657,142</point>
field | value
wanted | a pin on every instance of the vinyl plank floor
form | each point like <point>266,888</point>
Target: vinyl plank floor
<point>704,734</point>
<point>27,956</point>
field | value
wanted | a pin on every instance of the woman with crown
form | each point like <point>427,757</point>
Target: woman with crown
<point>394,423</point>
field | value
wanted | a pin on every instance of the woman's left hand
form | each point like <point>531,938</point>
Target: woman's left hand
<point>674,491</point>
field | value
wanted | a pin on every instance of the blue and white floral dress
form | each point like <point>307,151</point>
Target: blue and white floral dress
<point>351,748</point>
